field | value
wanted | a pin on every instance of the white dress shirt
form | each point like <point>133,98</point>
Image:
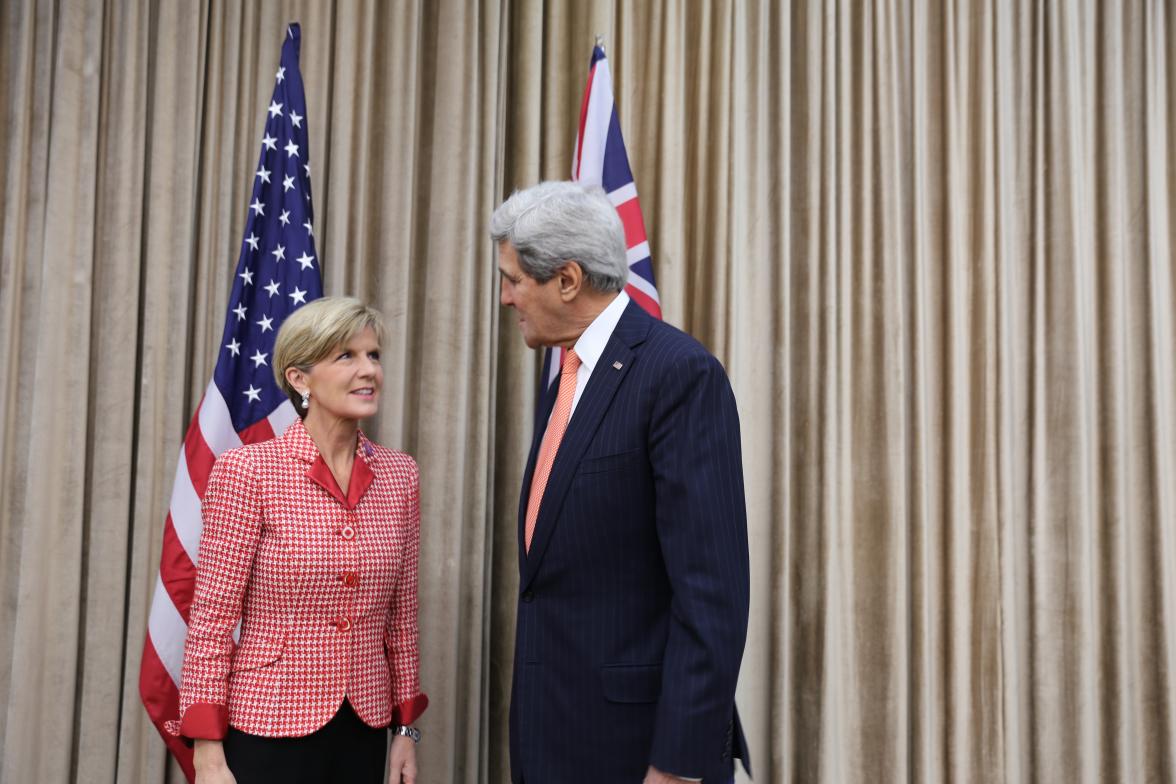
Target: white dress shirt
<point>592,342</point>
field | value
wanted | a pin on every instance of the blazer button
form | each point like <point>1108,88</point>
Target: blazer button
<point>343,624</point>
<point>347,532</point>
<point>528,596</point>
<point>350,579</point>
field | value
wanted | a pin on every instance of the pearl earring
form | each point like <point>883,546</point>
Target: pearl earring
<point>306,399</point>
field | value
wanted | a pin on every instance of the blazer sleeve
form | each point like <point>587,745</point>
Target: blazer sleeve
<point>232,516</point>
<point>701,523</point>
<point>401,634</point>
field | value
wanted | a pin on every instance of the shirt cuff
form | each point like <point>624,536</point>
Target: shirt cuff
<point>205,721</point>
<point>410,710</point>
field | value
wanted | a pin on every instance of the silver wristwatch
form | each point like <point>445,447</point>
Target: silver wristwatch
<point>408,732</point>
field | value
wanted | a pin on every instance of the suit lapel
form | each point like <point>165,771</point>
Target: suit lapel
<point>610,370</point>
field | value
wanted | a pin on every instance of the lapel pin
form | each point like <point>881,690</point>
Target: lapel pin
<point>617,366</point>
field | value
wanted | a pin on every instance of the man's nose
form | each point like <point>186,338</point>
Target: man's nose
<point>504,295</point>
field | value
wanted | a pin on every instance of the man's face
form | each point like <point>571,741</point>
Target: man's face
<point>538,305</point>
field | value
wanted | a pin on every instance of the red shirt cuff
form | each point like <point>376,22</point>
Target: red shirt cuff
<point>409,711</point>
<point>205,721</point>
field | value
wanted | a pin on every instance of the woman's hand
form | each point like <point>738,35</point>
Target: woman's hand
<point>209,761</point>
<point>402,767</point>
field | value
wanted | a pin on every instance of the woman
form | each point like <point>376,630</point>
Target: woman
<point>310,540</point>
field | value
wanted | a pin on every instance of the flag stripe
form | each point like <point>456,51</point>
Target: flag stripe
<point>630,213</point>
<point>580,128</point>
<point>216,425</point>
<point>185,510</point>
<point>198,457</point>
<point>644,300</point>
<point>176,572</point>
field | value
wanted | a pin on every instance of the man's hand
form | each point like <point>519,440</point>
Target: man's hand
<point>655,776</point>
<point>402,767</point>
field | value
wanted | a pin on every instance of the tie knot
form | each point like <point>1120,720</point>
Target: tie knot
<point>571,363</point>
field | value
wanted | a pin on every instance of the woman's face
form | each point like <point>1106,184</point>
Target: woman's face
<point>346,383</point>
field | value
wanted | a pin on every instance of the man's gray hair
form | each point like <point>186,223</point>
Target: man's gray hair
<point>552,223</point>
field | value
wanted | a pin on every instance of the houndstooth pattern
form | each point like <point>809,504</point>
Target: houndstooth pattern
<point>274,553</point>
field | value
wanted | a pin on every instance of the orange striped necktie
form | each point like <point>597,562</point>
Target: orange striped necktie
<point>554,434</point>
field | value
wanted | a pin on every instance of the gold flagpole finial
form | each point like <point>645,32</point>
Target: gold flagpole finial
<point>600,40</point>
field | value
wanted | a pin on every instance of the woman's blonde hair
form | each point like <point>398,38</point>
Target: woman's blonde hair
<point>310,333</point>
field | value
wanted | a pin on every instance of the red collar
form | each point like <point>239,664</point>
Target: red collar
<point>300,445</point>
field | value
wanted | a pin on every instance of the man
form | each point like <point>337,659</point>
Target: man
<point>633,590</point>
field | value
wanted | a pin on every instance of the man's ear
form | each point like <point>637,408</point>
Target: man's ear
<point>569,278</point>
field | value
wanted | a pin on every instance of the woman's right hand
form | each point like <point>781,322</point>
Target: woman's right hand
<point>209,761</point>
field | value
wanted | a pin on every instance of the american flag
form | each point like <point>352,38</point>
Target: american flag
<point>600,159</point>
<point>277,271</point>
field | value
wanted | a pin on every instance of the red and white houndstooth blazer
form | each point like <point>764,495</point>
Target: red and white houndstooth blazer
<point>324,585</point>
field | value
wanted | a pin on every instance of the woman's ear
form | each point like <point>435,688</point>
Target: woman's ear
<point>296,378</point>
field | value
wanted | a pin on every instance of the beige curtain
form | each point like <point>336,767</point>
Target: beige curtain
<point>932,243</point>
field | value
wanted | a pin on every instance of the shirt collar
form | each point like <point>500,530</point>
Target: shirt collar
<point>594,339</point>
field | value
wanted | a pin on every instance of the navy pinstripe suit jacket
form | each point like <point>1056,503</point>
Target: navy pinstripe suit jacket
<point>633,600</point>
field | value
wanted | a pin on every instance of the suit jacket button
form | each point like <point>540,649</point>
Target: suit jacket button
<point>343,624</point>
<point>350,579</point>
<point>347,532</point>
<point>528,596</point>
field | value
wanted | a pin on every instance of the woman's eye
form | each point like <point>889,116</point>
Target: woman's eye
<point>375,355</point>
<point>345,355</point>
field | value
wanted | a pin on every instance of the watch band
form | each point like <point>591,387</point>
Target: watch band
<point>408,732</point>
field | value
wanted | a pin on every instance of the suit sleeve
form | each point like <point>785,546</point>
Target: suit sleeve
<point>701,523</point>
<point>231,511</point>
<point>401,635</point>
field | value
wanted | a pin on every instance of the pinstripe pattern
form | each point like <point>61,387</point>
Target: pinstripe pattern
<point>633,599</point>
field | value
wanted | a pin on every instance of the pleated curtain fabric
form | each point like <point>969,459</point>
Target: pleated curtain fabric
<point>931,242</point>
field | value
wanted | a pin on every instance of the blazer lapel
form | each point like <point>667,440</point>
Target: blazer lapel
<point>606,378</point>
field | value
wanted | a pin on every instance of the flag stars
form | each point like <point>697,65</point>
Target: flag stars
<point>306,168</point>
<point>240,311</point>
<point>296,118</point>
<point>247,276</point>
<point>298,296</point>
<point>275,109</point>
<point>253,393</point>
<point>257,207</point>
<point>309,229</point>
<point>285,217</point>
<point>259,359</point>
<point>281,74</point>
<point>251,241</point>
<point>291,149</point>
<point>273,287</point>
<point>234,347</point>
<point>306,260</point>
<point>288,182</point>
<point>270,142</point>
<point>266,324</point>
<point>264,174</point>
<point>279,253</point>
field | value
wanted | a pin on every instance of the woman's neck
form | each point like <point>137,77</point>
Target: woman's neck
<point>334,437</point>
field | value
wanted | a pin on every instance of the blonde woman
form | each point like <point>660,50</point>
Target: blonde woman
<point>310,541</point>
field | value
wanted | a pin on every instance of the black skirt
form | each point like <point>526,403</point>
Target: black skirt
<point>342,751</point>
